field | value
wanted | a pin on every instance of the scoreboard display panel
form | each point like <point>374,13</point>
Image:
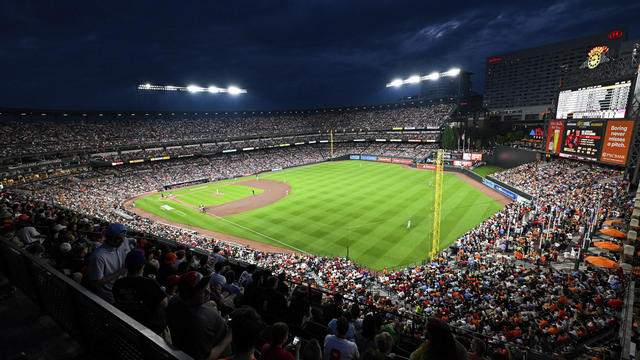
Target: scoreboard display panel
<point>583,140</point>
<point>607,101</point>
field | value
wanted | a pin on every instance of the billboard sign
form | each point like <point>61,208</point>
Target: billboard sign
<point>384,159</point>
<point>427,166</point>
<point>402,161</point>
<point>472,156</point>
<point>354,157</point>
<point>463,163</point>
<point>554,136</point>
<point>616,142</point>
<point>370,158</point>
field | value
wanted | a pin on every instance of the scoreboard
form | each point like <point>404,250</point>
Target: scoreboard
<point>595,102</point>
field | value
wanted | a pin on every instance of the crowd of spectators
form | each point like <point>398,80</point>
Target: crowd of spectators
<point>541,178</point>
<point>46,135</point>
<point>495,281</point>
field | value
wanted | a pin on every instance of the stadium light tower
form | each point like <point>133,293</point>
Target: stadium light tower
<point>417,78</point>
<point>233,90</point>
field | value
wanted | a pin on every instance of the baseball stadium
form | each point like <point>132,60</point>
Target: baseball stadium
<point>443,224</point>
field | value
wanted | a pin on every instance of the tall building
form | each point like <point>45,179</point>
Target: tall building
<point>521,85</point>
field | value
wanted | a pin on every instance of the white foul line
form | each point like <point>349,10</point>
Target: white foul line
<point>259,233</point>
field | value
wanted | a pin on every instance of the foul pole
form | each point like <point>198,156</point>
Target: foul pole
<point>331,135</point>
<point>437,205</point>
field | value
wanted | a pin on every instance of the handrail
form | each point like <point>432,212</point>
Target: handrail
<point>100,327</point>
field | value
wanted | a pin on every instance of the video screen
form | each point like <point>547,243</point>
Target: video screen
<point>595,102</point>
<point>583,139</point>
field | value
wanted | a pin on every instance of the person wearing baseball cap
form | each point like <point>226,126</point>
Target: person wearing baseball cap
<point>141,297</point>
<point>107,262</point>
<point>196,325</point>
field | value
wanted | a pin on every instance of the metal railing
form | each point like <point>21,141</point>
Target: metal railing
<point>101,328</point>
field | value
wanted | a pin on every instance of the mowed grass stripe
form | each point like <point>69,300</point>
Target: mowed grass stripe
<point>362,205</point>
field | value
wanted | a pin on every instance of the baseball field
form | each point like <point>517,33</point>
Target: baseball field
<point>331,208</point>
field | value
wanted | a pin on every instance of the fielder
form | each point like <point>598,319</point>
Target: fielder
<point>409,224</point>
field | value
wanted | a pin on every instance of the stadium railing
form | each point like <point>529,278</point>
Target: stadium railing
<point>99,327</point>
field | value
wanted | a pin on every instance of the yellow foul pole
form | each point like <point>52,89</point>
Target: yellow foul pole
<point>437,205</point>
<point>331,134</point>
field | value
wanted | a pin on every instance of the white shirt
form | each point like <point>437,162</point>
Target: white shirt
<point>29,234</point>
<point>106,260</point>
<point>336,348</point>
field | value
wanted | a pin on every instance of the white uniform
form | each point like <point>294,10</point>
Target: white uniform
<point>409,224</point>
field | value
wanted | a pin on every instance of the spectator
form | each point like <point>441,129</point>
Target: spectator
<point>478,350</point>
<point>384,345</point>
<point>337,347</point>
<point>195,324</point>
<point>216,277</point>
<point>439,343</point>
<point>140,297</point>
<point>366,339</point>
<point>311,350</point>
<point>246,327</point>
<point>106,263</point>
<point>28,234</point>
<point>274,350</point>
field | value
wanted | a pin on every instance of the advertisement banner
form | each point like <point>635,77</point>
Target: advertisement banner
<point>505,192</point>
<point>554,136</point>
<point>136,161</point>
<point>276,169</point>
<point>488,182</point>
<point>160,158</point>
<point>463,163</point>
<point>354,157</point>
<point>616,142</point>
<point>427,166</point>
<point>117,163</point>
<point>384,159</point>
<point>583,139</point>
<point>472,156</point>
<point>370,158</point>
<point>402,161</point>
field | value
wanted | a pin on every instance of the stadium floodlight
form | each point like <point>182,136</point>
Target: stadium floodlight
<point>417,78</point>
<point>193,88</point>
<point>452,72</point>
<point>233,90</point>
<point>395,83</point>
<point>413,79</point>
<point>432,76</point>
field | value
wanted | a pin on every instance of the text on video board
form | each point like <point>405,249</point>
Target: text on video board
<point>595,102</point>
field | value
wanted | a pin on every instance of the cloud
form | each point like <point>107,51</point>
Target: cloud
<point>426,37</point>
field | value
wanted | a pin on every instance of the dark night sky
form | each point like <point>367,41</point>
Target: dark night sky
<point>287,54</point>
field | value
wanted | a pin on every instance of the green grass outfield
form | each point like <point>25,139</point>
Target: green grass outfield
<point>486,170</point>
<point>359,204</point>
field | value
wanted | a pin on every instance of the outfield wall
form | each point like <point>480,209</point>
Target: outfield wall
<point>508,157</point>
<point>505,189</point>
